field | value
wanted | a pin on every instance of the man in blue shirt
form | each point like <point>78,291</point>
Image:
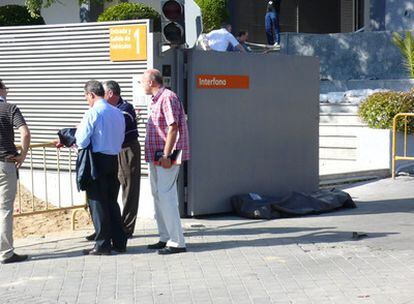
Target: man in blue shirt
<point>129,160</point>
<point>272,25</point>
<point>102,129</point>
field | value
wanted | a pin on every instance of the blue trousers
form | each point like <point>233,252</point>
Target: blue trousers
<point>275,36</point>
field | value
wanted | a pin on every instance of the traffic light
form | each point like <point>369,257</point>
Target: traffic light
<point>173,22</point>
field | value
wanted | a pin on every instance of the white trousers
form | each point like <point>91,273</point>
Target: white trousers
<point>164,190</point>
<point>8,187</point>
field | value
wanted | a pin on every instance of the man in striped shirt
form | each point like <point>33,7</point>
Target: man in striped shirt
<point>167,134</point>
<point>10,160</point>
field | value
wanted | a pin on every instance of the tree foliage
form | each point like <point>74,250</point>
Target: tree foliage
<point>214,12</point>
<point>34,6</point>
<point>406,46</point>
<point>14,15</point>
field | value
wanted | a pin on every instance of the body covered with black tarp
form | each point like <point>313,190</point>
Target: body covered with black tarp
<point>255,206</point>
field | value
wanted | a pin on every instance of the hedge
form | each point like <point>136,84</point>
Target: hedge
<point>131,11</point>
<point>13,15</point>
<point>379,109</point>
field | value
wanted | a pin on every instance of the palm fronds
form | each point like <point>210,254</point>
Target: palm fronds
<point>406,46</point>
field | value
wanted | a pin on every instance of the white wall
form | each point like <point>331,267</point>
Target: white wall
<point>153,3</point>
<point>63,11</point>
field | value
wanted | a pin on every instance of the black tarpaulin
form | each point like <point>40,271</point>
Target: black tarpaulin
<point>255,206</point>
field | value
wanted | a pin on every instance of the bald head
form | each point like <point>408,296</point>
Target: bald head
<point>155,75</point>
<point>152,81</point>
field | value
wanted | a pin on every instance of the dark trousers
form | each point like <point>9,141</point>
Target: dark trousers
<point>129,175</point>
<point>102,197</point>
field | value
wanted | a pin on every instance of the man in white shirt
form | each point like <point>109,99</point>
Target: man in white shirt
<point>219,40</point>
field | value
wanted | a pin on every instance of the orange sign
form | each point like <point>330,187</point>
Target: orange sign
<point>128,42</point>
<point>222,82</point>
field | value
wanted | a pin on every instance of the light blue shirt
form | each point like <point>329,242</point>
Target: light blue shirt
<point>104,126</point>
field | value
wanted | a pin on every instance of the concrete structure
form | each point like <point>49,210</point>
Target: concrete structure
<point>349,56</point>
<point>261,138</point>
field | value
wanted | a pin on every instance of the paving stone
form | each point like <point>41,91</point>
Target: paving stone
<point>295,260</point>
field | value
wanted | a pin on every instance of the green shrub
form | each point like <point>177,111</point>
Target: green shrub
<point>131,11</point>
<point>12,15</point>
<point>214,12</point>
<point>379,109</point>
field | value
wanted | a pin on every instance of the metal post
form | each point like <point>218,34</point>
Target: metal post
<point>32,178</point>
<point>45,175</point>
<point>58,174</point>
<point>394,133</point>
<point>297,16</point>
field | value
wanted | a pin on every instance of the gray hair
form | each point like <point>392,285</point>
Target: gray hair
<point>94,86</point>
<point>113,86</point>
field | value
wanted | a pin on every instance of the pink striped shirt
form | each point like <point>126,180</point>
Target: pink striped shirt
<point>166,109</point>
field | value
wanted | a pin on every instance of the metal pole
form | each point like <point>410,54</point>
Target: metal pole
<point>297,16</point>
<point>394,133</point>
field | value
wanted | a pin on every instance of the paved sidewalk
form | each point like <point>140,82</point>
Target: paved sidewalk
<point>231,260</point>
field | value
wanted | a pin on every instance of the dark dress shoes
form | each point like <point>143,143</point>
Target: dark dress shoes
<point>118,249</point>
<point>95,251</point>
<point>91,237</point>
<point>15,258</point>
<point>158,245</point>
<point>171,250</point>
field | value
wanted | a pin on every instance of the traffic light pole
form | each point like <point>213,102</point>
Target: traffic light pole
<point>181,85</point>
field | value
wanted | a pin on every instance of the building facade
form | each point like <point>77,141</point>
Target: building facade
<point>324,16</point>
<point>300,16</point>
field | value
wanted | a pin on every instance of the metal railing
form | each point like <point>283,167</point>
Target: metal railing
<point>44,159</point>
<point>396,157</point>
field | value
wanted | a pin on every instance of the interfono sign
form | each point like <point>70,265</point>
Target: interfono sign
<point>222,81</point>
<point>128,42</point>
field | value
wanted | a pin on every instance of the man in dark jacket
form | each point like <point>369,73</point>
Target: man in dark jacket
<point>129,160</point>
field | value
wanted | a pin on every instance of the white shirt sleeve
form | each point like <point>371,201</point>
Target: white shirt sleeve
<point>232,40</point>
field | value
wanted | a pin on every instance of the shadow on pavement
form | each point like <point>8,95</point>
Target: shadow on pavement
<point>76,251</point>
<point>324,235</point>
<point>311,238</point>
<point>363,207</point>
<point>249,231</point>
<point>376,207</point>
